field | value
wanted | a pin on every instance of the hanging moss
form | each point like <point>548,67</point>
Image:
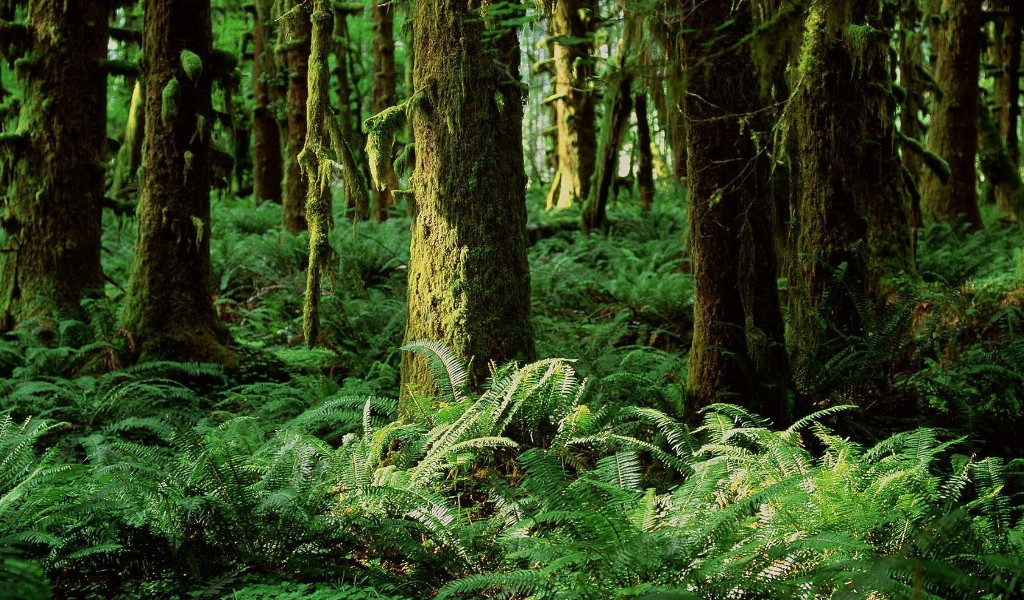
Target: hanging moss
<point>381,130</point>
<point>191,64</point>
<point>169,102</point>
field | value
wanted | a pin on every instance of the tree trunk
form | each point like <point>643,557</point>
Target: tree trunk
<point>169,310</point>
<point>738,330</point>
<point>129,156</point>
<point>350,113</point>
<point>571,29</point>
<point>912,65</point>
<point>645,170</point>
<point>995,162</point>
<point>383,91</point>
<point>469,281</point>
<point>268,172</point>
<point>953,134</point>
<point>1008,82</point>
<point>50,256</point>
<point>295,32</point>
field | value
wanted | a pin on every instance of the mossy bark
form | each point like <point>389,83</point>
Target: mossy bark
<point>953,134</point>
<point>738,332</point>
<point>469,281</point>
<point>571,28</point>
<point>618,105</point>
<point>995,162</point>
<point>383,91</point>
<point>129,156</point>
<point>1007,84</point>
<point>268,169</point>
<point>53,166</point>
<point>913,107</point>
<point>169,310</point>
<point>854,208</point>
<point>294,42</point>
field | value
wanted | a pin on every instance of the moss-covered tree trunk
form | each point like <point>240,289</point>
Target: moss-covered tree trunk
<point>915,82</point>
<point>737,335</point>
<point>169,309</point>
<point>571,29</point>
<point>853,209</point>
<point>995,162</point>
<point>346,56</point>
<point>129,156</point>
<point>469,281</point>
<point>953,134</point>
<point>268,171</point>
<point>295,32</point>
<point>50,246</point>
<point>383,91</point>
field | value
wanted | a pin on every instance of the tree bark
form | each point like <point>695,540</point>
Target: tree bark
<point>645,170</point>
<point>268,171</point>
<point>383,91</point>
<point>738,329</point>
<point>953,134</point>
<point>571,28</point>
<point>853,210</point>
<point>469,281</point>
<point>1008,82</point>
<point>169,309</point>
<point>295,33</point>
<point>50,255</point>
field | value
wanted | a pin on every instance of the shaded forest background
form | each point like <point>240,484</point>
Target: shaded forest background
<point>576,299</point>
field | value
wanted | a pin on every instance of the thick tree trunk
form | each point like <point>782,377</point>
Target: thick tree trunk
<point>571,28</point>
<point>50,256</point>
<point>645,170</point>
<point>469,281</point>
<point>738,332</point>
<point>295,33</point>
<point>953,134</point>
<point>268,171</point>
<point>169,309</point>
<point>383,91</point>
<point>854,209</point>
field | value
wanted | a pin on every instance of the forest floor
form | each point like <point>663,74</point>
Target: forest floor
<point>946,352</point>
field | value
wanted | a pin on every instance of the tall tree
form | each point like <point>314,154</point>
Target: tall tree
<point>268,171</point>
<point>852,184</point>
<point>383,91</point>
<point>571,29</point>
<point>50,250</point>
<point>295,33</point>
<point>953,134</point>
<point>169,310</point>
<point>469,281</point>
<point>1007,84</point>
<point>738,330</point>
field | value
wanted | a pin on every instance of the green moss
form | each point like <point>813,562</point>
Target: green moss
<point>191,64</point>
<point>381,130</point>
<point>169,102</point>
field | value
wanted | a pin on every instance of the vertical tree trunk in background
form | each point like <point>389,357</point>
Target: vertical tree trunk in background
<point>469,281</point>
<point>645,170</point>
<point>618,105</point>
<point>295,32</point>
<point>571,28</point>
<point>996,164</point>
<point>1007,85</point>
<point>350,104</point>
<point>129,156</point>
<point>953,134</point>
<point>52,219</point>
<point>169,310</point>
<point>383,90</point>
<point>268,172</point>
<point>671,94</point>
<point>736,338</point>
